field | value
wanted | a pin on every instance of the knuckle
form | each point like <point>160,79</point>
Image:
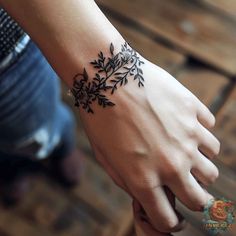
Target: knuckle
<point>173,170</point>
<point>189,150</point>
<point>191,128</point>
<point>143,185</point>
<point>145,195</point>
<point>189,102</point>
<point>139,187</point>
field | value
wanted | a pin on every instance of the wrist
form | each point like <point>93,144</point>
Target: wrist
<point>73,51</point>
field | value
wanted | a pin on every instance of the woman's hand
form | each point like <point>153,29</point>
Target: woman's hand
<point>157,135</point>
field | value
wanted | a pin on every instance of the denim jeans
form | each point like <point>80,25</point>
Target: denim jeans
<point>33,119</point>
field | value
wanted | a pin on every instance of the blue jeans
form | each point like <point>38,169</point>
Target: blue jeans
<point>33,119</point>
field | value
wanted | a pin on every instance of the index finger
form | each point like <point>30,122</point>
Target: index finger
<point>160,210</point>
<point>142,227</point>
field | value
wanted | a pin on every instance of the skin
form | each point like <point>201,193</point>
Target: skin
<point>155,138</point>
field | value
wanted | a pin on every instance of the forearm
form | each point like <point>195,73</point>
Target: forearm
<point>70,33</point>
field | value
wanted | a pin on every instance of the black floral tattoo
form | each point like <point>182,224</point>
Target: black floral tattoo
<point>111,72</point>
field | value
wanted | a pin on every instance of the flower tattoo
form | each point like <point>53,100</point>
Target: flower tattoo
<point>111,73</point>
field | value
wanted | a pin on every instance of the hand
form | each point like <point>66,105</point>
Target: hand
<point>157,135</point>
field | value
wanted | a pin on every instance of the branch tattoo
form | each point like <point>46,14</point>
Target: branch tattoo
<point>111,73</point>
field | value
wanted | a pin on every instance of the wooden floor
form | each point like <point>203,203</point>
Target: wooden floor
<point>195,40</point>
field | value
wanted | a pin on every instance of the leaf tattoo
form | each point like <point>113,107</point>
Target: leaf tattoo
<point>111,72</point>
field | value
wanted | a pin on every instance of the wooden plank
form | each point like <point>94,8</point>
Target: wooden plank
<point>101,193</point>
<point>3,233</point>
<point>226,132</point>
<point>14,225</point>
<point>56,211</point>
<point>202,82</point>
<point>225,183</point>
<point>148,47</point>
<point>228,7</point>
<point>126,225</point>
<point>96,207</point>
<point>193,28</point>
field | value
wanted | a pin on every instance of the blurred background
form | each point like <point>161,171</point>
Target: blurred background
<point>194,40</point>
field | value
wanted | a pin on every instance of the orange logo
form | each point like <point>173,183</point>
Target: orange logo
<point>219,215</point>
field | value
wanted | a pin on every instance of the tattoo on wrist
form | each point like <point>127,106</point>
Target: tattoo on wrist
<point>111,73</point>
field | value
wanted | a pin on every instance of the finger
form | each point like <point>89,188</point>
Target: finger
<point>158,209</point>
<point>142,227</point>
<point>204,170</point>
<point>171,198</point>
<point>189,192</point>
<point>209,145</point>
<point>205,117</point>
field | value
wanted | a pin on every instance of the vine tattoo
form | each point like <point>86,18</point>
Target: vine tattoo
<point>111,73</point>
